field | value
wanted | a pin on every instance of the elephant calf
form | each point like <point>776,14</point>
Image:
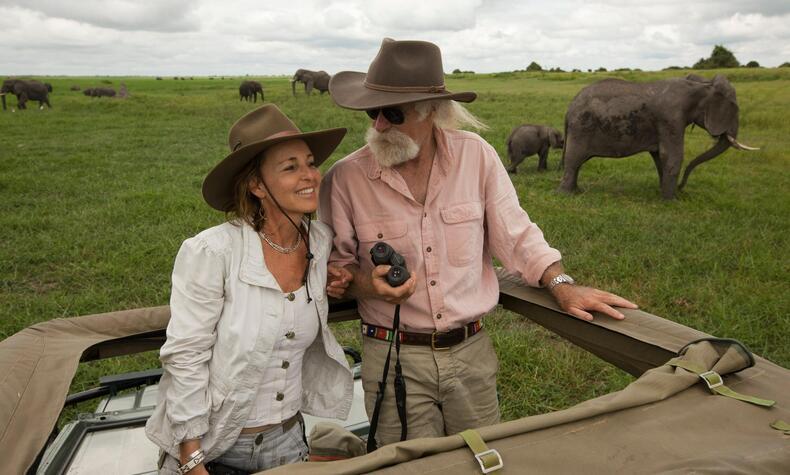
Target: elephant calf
<point>249,90</point>
<point>527,140</point>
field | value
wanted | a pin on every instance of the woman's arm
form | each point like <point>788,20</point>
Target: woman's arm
<point>196,304</point>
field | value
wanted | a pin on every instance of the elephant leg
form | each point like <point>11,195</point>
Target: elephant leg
<point>543,156</point>
<point>574,159</point>
<point>671,157</point>
<point>308,88</point>
<point>659,167</point>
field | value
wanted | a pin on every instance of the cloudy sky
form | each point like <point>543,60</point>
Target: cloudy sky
<point>263,37</point>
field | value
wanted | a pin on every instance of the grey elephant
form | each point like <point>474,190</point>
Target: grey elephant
<point>311,79</point>
<point>25,90</point>
<point>617,118</point>
<point>99,92</point>
<point>527,140</point>
<point>249,90</point>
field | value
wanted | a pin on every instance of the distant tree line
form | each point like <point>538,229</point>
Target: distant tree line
<point>720,58</point>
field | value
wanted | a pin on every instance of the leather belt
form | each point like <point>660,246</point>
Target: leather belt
<point>436,340</point>
<point>286,425</point>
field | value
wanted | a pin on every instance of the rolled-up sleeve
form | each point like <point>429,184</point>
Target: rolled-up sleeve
<point>513,238</point>
<point>335,211</point>
<point>196,303</point>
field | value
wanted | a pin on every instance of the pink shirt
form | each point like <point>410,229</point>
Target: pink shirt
<point>471,213</point>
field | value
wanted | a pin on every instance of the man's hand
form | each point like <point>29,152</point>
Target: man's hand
<point>578,301</point>
<point>384,291</point>
<point>338,280</point>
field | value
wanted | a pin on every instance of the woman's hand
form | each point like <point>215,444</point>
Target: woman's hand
<point>338,280</point>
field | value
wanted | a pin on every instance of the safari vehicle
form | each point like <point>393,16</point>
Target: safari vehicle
<point>699,404</point>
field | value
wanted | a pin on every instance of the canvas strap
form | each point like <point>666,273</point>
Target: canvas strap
<point>489,459</point>
<point>716,385</point>
<point>782,426</point>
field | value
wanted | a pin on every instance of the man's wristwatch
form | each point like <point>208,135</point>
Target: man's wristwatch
<point>560,279</point>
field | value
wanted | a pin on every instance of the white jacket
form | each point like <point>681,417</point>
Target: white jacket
<point>223,325</point>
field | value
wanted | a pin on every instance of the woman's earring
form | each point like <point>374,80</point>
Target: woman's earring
<point>261,215</point>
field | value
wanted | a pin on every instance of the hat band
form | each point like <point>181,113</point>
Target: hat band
<point>381,87</point>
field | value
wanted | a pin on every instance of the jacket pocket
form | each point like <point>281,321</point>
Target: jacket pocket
<point>463,232</point>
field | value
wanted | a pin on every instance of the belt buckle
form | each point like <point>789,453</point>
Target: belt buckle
<point>433,342</point>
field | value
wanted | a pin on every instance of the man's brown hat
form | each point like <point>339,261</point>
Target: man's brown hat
<point>402,72</point>
<point>252,134</point>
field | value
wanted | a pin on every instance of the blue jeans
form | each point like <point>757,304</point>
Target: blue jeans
<point>257,452</point>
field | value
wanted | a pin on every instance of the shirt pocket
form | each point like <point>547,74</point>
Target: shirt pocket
<point>392,232</point>
<point>463,232</point>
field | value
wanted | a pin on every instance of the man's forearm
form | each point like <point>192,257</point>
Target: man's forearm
<point>361,285</point>
<point>551,272</point>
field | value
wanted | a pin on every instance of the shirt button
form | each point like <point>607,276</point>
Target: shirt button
<point>290,335</point>
<point>425,215</point>
<point>290,296</point>
<point>380,236</point>
<point>286,364</point>
<point>280,396</point>
<point>259,439</point>
<point>433,282</point>
<point>438,316</point>
<point>428,249</point>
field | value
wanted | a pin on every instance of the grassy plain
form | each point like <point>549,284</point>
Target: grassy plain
<point>98,194</point>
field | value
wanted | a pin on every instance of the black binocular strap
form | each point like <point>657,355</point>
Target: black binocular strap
<point>400,387</point>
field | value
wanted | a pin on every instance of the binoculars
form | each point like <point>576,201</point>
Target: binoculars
<point>383,254</point>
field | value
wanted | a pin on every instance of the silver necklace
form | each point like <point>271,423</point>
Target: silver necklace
<point>279,248</point>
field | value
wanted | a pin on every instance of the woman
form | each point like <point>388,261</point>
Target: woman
<point>248,346</point>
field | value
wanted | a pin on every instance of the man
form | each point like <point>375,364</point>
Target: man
<point>442,198</point>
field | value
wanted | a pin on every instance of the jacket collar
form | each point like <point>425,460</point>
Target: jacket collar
<point>253,270</point>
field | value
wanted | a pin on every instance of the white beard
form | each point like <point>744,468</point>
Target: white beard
<point>392,147</point>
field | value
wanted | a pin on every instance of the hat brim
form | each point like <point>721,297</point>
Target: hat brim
<point>348,90</point>
<point>218,185</point>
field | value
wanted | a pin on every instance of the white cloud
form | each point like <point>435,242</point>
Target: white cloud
<point>192,37</point>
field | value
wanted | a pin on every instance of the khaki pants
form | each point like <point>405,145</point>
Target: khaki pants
<point>447,391</point>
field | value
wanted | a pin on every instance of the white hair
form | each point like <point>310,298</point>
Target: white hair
<point>391,147</point>
<point>449,114</point>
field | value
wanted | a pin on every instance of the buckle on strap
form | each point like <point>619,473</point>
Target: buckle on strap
<point>499,464</point>
<point>712,379</point>
<point>433,342</point>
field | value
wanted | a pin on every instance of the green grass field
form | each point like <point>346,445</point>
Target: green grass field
<point>98,194</point>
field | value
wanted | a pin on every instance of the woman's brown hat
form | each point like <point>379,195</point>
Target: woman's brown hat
<point>252,134</point>
<point>402,72</point>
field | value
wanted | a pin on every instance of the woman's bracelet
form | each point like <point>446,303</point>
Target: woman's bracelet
<point>195,459</point>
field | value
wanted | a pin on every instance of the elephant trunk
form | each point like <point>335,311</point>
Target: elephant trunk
<point>720,146</point>
<point>3,97</point>
<point>293,87</point>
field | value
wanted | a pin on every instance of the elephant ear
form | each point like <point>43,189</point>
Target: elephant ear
<point>721,109</point>
<point>696,78</point>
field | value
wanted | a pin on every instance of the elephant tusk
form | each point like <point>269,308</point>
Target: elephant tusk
<point>739,145</point>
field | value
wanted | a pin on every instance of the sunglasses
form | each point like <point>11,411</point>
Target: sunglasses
<point>393,115</point>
